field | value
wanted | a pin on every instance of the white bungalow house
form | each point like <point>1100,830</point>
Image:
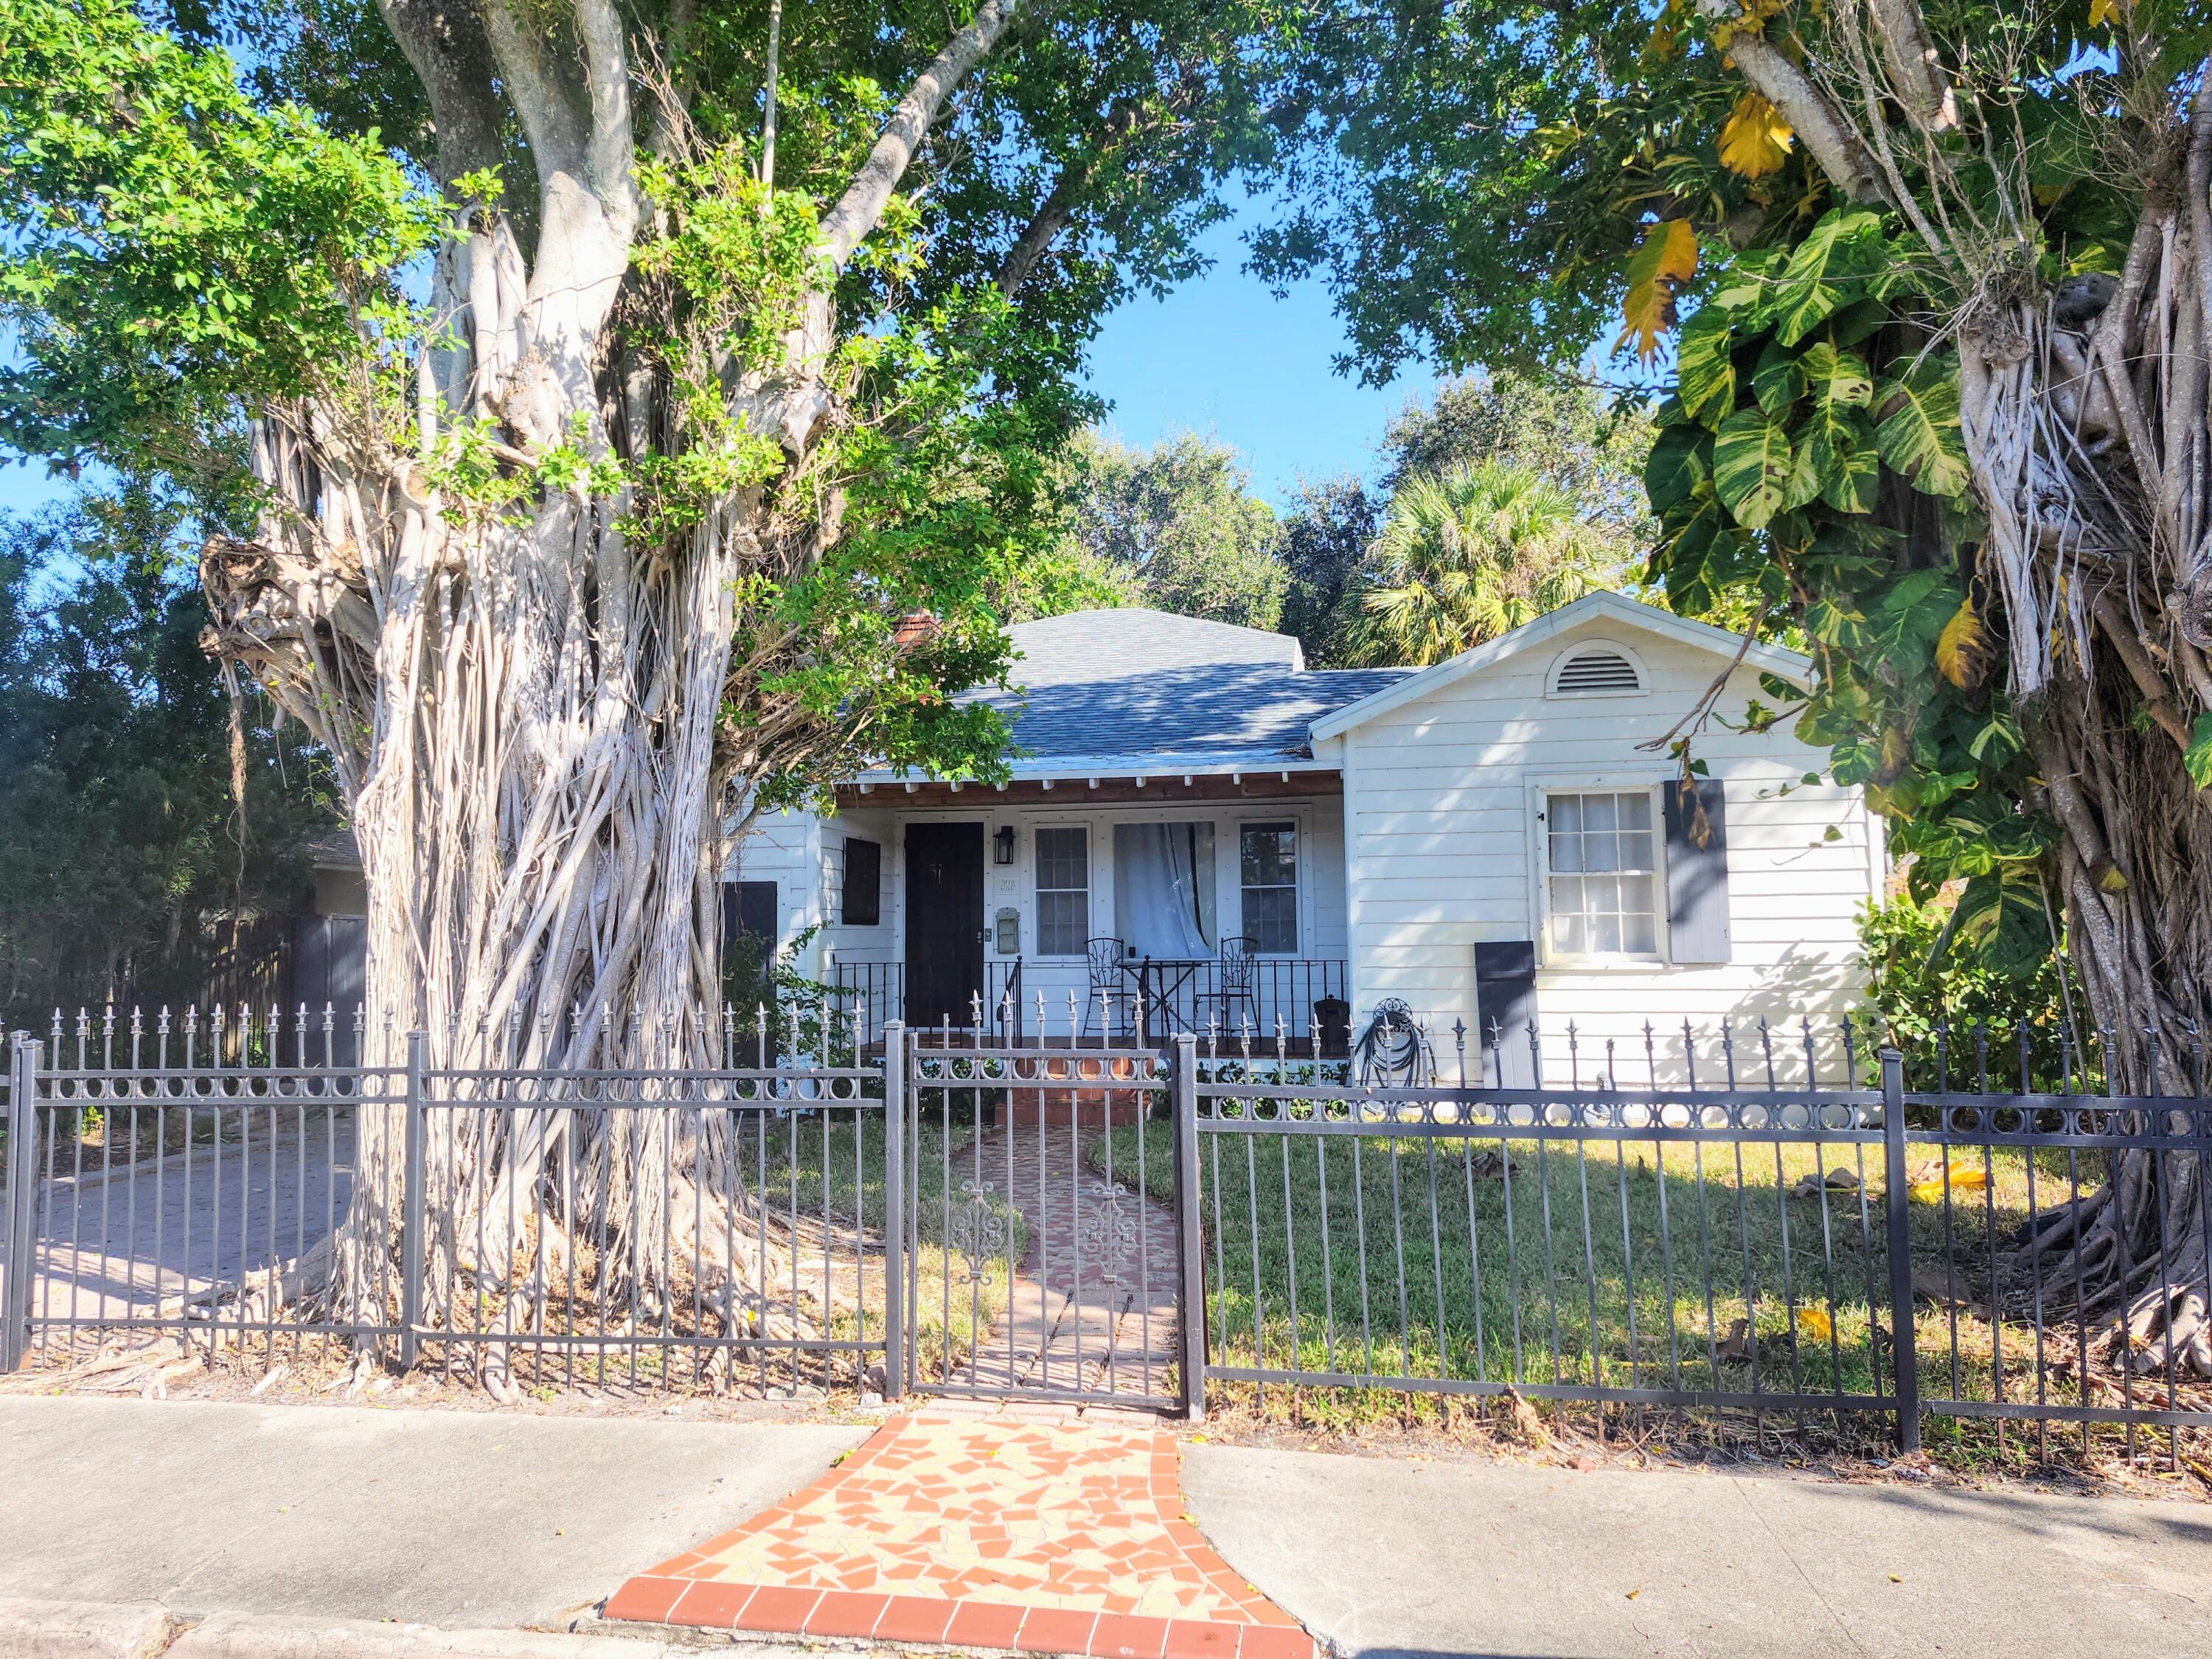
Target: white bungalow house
<point>1196,816</point>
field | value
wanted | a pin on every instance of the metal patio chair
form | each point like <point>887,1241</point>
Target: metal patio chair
<point>1110,991</point>
<point>1234,1001</point>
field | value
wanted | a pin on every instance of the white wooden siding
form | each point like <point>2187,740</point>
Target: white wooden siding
<point>786,848</point>
<point>1439,798</point>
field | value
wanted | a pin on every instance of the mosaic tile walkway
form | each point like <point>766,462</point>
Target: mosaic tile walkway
<point>1040,1537</point>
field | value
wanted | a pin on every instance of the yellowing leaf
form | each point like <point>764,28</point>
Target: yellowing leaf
<point>1962,1181</point>
<point>1959,648</point>
<point>2102,12</point>
<point>1754,139</point>
<point>1663,262</point>
<point>1896,752</point>
<point>1815,1323</point>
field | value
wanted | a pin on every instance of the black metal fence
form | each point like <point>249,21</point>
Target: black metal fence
<point>1048,1267</point>
<point>552,1228</point>
<point>1774,1223</point>
<point>1756,1248</point>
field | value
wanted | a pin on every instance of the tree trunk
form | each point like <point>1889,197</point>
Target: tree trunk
<point>2134,863</point>
<point>539,809</point>
<point>2137,1252</point>
<point>525,706</point>
<point>2084,413</point>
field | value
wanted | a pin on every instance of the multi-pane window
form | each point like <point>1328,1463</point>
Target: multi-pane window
<point>1063,891</point>
<point>1268,866</point>
<point>1603,874</point>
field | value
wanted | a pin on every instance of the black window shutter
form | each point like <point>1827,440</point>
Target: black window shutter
<point>749,907</point>
<point>862,900</point>
<point>1506,1007</point>
<point>1697,872</point>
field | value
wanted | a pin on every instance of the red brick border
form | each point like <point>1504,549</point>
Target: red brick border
<point>707,1604</point>
<point>664,1595</point>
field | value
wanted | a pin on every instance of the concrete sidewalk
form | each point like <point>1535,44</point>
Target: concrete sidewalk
<point>451,1518</point>
<point>1390,1557</point>
<point>459,1519</point>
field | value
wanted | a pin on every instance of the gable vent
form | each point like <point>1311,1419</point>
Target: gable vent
<point>1594,673</point>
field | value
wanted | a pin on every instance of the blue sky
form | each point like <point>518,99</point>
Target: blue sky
<point>1220,356</point>
<point>25,489</point>
<point>1223,357</point>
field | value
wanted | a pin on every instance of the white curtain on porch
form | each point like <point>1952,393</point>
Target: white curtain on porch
<point>1163,889</point>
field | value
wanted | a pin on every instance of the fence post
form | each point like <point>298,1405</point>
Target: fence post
<point>22,1200</point>
<point>1903,1349</point>
<point>411,1234</point>
<point>1190,1253</point>
<point>895,1207</point>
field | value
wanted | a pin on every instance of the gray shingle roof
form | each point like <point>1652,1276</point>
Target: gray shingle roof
<point>1149,687</point>
<point>1080,647</point>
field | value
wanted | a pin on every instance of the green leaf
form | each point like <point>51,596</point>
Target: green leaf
<point>2003,920</point>
<point>1704,373</point>
<point>1680,460</point>
<point>1779,378</point>
<point>1857,485</point>
<point>1844,246</point>
<point>1697,553</point>
<point>1805,480</point>
<point>1751,466</point>
<point>1857,321</point>
<point>1837,377</point>
<point>2198,756</point>
<point>2002,737</point>
<point>1906,624</point>
<point>1919,435</point>
<point>1841,445</point>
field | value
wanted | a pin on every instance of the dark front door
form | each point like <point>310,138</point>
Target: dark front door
<point>944,921</point>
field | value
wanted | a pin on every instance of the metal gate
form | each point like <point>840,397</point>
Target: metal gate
<point>1051,1240</point>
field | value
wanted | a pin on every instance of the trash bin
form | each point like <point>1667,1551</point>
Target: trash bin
<point>1333,1025</point>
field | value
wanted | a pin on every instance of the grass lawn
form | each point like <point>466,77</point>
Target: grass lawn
<point>1612,1263</point>
<point>836,1169</point>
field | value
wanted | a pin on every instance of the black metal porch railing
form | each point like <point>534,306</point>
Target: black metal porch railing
<point>872,993</point>
<point>1285,997</point>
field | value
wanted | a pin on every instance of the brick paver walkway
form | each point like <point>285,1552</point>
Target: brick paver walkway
<point>1044,1538</point>
<point>1093,1308</point>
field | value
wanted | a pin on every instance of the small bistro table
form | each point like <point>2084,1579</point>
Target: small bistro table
<point>1160,983</point>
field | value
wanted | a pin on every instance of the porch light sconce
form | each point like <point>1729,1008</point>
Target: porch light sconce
<point>1002,844</point>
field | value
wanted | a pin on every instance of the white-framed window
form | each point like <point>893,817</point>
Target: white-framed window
<point>1267,871</point>
<point>1604,889</point>
<point>1063,891</point>
<point>1596,668</point>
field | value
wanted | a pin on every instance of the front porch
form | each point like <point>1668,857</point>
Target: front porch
<point>1087,911</point>
<point>1043,1004</point>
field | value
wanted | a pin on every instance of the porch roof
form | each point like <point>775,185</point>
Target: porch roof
<point>1136,692</point>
